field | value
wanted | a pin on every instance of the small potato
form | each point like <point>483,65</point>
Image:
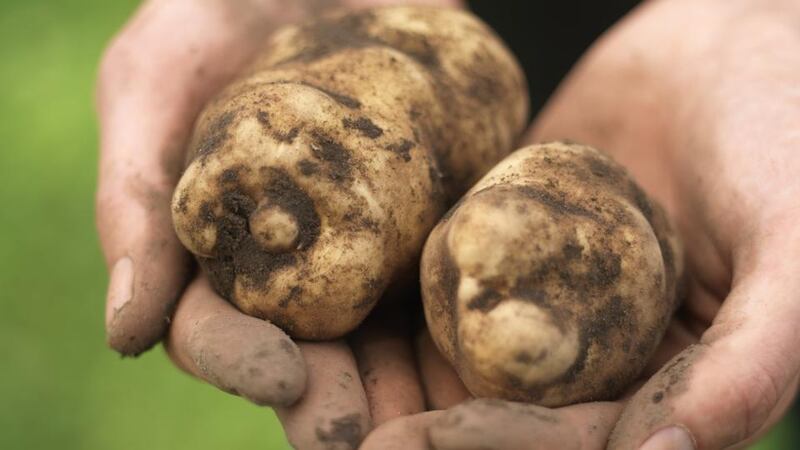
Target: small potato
<point>314,179</point>
<point>553,280</point>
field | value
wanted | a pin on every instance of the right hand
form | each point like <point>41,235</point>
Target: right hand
<point>156,75</point>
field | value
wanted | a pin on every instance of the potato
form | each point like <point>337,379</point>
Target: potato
<point>553,279</point>
<point>314,178</point>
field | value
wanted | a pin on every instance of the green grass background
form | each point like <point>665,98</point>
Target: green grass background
<point>60,387</point>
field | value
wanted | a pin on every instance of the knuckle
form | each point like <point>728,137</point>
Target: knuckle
<point>120,62</point>
<point>114,55</point>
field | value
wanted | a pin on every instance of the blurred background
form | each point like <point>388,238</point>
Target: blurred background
<point>61,387</point>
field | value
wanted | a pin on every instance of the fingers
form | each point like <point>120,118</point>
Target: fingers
<point>499,425</point>
<point>149,269</point>
<point>333,413</point>
<point>443,387</point>
<point>385,355</point>
<point>725,389</point>
<point>236,353</point>
<point>153,79</point>
<point>404,433</point>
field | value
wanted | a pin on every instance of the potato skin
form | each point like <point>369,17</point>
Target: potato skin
<point>553,280</point>
<point>314,179</point>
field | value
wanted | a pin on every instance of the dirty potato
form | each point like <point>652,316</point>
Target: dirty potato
<point>314,178</point>
<point>553,279</point>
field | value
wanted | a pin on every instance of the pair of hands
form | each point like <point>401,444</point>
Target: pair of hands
<point>698,99</point>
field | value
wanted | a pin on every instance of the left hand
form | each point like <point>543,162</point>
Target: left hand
<point>699,100</point>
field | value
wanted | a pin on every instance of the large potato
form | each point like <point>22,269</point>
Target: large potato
<point>314,179</point>
<point>553,279</point>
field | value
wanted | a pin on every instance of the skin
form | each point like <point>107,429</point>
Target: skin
<point>553,279</point>
<point>292,201</point>
<point>707,124</point>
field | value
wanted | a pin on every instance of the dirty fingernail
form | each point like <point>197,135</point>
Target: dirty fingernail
<point>120,287</point>
<point>671,438</point>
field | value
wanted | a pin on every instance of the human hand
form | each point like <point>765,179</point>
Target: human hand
<point>699,100</point>
<point>352,385</point>
<point>155,76</point>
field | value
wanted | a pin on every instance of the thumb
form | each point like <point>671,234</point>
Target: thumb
<point>738,380</point>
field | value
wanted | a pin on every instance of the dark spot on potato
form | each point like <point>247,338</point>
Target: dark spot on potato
<point>415,45</point>
<point>402,149</point>
<point>307,167</point>
<point>364,126</point>
<point>263,118</point>
<point>572,250</point>
<point>254,372</point>
<point>328,35</point>
<point>414,113</point>
<point>206,212</point>
<point>345,429</point>
<point>215,134</point>
<point>485,301</point>
<point>287,137</point>
<point>360,222</point>
<point>280,136</point>
<point>555,201</point>
<point>526,358</point>
<point>605,268</point>
<point>602,168</point>
<point>530,293</point>
<point>293,294</point>
<point>336,157</point>
<point>483,88</point>
<point>614,316</point>
<point>448,279</point>
<point>523,357</point>
<point>183,203</point>
<point>230,175</point>
<point>283,192</point>
<point>352,31</point>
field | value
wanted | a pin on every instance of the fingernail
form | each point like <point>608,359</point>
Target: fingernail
<point>120,287</point>
<point>671,438</point>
